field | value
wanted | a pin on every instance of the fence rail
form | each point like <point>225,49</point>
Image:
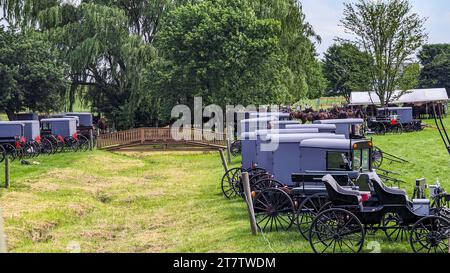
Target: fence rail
<point>161,135</point>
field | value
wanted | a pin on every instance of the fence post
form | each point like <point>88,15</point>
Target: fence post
<point>224,162</point>
<point>91,139</point>
<point>6,171</point>
<point>249,201</point>
<point>142,135</point>
<point>229,150</point>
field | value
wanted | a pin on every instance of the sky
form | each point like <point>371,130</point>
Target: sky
<point>325,16</point>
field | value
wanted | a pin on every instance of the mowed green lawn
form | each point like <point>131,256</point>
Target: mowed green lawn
<point>164,202</point>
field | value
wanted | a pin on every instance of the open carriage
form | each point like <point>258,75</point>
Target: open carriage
<point>342,226</point>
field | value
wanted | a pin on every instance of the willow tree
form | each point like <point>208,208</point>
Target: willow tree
<point>102,45</point>
<point>391,33</point>
<point>303,76</point>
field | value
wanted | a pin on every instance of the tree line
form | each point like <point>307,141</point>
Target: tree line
<point>133,60</point>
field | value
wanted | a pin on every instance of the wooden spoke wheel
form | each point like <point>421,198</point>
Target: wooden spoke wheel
<point>235,148</point>
<point>377,157</point>
<point>393,227</point>
<point>46,147</point>
<point>2,153</point>
<point>336,231</point>
<point>255,171</point>
<point>10,151</point>
<point>430,235</point>
<point>230,182</point>
<point>254,179</point>
<point>274,210</point>
<point>71,144</point>
<point>83,143</point>
<point>265,183</point>
<point>308,210</point>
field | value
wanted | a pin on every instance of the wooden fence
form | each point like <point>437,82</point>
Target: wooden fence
<point>161,135</point>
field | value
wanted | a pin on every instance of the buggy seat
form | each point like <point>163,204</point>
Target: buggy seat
<point>387,195</point>
<point>340,196</point>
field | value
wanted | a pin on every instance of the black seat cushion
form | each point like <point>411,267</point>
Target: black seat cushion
<point>340,196</point>
<point>389,196</point>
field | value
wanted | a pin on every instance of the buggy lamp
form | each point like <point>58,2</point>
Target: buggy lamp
<point>253,194</point>
<point>355,146</point>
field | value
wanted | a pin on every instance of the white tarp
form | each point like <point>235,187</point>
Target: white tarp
<point>412,96</point>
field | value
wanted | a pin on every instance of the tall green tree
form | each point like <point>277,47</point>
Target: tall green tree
<point>31,78</point>
<point>304,77</point>
<point>347,69</point>
<point>102,54</point>
<point>435,59</point>
<point>390,32</point>
<point>220,51</point>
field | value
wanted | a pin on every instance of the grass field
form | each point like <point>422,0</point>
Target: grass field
<point>164,202</point>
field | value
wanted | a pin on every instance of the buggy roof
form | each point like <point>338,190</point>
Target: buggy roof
<point>29,121</point>
<point>297,138</point>
<point>255,120</point>
<point>12,122</point>
<point>341,121</point>
<point>324,143</point>
<point>79,114</point>
<point>265,114</point>
<point>57,119</point>
<point>394,108</point>
<point>285,122</point>
<point>315,125</point>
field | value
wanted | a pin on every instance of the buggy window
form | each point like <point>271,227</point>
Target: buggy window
<point>361,160</point>
<point>46,126</point>
<point>337,161</point>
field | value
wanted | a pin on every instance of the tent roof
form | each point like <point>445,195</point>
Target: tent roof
<point>412,96</point>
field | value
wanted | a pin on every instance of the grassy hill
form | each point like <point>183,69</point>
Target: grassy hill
<point>164,202</point>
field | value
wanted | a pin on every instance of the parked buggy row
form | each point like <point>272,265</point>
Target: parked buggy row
<point>24,139</point>
<point>320,179</point>
<point>394,120</point>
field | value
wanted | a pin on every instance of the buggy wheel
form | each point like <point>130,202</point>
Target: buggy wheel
<point>71,144</point>
<point>430,235</point>
<point>399,128</point>
<point>230,182</point>
<point>255,171</point>
<point>256,178</point>
<point>392,225</point>
<point>381,129</point>
<point>336,231</point>
<point>46,147</point>
<point>308,210</point>
<point>274,210</point>
<point>236,148</point>
<point>10,151</point>
<point>83,143</point>
<point>265,183</point>
<point>2,153</point>
<point>377,157</point>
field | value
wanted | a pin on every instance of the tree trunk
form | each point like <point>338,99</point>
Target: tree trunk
<point>11,115</point>
<point>72,91</point>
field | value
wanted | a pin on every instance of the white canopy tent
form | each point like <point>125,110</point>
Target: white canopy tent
<point>411,96</point>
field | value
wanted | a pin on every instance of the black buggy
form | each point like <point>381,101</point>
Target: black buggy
<point>11,139</point>
<point>342,227</point>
